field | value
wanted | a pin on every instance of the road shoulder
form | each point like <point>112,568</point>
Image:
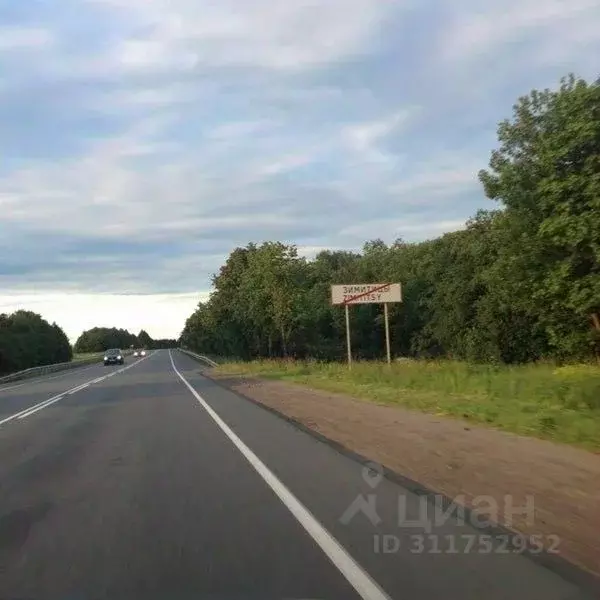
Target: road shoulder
<point>463,462</point>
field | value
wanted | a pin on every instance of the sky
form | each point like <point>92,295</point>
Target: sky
<point>143,140</point>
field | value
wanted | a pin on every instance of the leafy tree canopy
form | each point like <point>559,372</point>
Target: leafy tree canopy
<point>27,340</point>
<point>99,339</point>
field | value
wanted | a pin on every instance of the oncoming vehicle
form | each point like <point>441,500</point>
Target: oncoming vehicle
<point>141,352</point>
<point>114,356</point>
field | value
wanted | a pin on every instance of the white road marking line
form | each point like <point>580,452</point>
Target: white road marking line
<point>37,407</point>
<point>35,380</point>
<point>31,412</point>
<point>81,387</point>
<point>358,578</point>
<point>40,404</point>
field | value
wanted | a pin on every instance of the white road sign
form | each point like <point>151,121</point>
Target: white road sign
<point>366,293</point>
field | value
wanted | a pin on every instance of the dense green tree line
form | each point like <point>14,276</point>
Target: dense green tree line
<point>518,284</point>
<point>27,340</point>
<point>99,339</point>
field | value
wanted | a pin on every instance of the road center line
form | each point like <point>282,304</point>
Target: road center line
<point>48,403</point>
<point>41,405</point>
<point>81,387</point>
<point>358,578</point>
<point>42,379</point>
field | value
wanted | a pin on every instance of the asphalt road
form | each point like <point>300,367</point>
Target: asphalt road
<point>154,482</point>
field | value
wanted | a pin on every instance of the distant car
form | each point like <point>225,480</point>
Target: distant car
<point>139,353</point>
<point>114,356</point>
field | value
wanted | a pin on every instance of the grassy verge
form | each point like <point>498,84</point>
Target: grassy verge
<point>86,355</point>
<point>560,404</point>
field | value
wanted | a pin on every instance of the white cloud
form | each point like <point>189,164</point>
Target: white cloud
<point>473,34</point>
<point>133,99</point>
<point>288,162</point>
<point>235,130</point>
<point>188,34</point>
<point>408,229</point>
<point>364,137</point>
<point>440,180</point>
<point>88,194</point>
<point>108,192</point>
<point>24,38</point>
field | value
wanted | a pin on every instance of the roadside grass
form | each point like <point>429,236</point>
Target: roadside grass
<point>84,355</point>
<point>555,403</point>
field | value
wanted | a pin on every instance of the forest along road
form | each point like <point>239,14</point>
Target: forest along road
<point>149,481</point>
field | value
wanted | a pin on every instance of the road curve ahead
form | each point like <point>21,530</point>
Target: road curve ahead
<point>150,482</point>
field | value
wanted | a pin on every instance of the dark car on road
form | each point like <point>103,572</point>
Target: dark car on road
<point>114,356</point>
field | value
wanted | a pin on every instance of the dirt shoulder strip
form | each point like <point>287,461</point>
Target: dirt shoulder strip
<point>455,458</point>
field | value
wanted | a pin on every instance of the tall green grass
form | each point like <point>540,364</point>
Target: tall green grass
<point>556,403</point>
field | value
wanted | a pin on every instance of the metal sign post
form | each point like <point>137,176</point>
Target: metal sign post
<point>387,332</point>
<point>367,293</point>
<point>348,342</point>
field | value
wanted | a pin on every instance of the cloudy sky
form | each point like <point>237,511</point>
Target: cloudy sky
<point>142,140</point>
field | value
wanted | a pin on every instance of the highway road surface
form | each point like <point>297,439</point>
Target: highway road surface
<point>149,481</point>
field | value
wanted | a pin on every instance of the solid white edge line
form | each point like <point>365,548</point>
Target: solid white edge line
<point>37,407</point>
<point>358,578</point>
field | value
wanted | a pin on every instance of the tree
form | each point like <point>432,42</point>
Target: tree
<point>27,340</point>
<point>165,343</point>
<point>99,339</point>
<point>546,173</point>
<point>273,285</point>
<point>144,339</point>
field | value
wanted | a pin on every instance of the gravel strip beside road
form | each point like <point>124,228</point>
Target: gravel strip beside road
<point>457,459</point>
